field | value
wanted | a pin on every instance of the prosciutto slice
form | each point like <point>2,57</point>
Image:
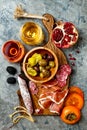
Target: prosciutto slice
<point>56,108</point>
<point>50,83</point>
<point>58,97</point>
<point>25,94</point>
<point>52,100</point>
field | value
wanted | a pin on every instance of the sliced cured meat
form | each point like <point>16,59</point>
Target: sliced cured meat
<point>62,75</point>
<point>33,87</point>
<point>61,83</point>
<point>53,94</point>
<point>51,89</point>
<point>64,35</point>
<point>66,68</point>
<point>51,100</point>
<point>25,94</point>
<point>50,83</point>
<point>58,97</point>
<point>56,108</point>
<point>45,103</point>
<point>39,111</point>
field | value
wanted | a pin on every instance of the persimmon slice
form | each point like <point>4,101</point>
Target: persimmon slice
<point>70,114</point>
<point>77,90</point>
<point>74,99</point>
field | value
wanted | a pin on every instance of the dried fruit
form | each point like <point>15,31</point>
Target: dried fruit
<point>11,70</point>
<point>64,35</point>
<point>11,80</point>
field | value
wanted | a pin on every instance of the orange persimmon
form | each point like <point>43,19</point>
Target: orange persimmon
<point>77,90</point>
<point>74,99</point>
<point>70,114</point>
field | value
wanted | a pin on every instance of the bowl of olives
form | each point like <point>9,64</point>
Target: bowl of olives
<point>40,64</point>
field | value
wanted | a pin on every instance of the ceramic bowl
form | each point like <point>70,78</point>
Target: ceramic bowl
<point>40,50</point>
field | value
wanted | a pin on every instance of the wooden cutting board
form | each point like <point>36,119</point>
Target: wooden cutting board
<point>61,59</point>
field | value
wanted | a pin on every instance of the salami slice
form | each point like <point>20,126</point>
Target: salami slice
<point>33,87</point>
<point>66,68</point>
<point>25,94</point>
<point>62,75</point>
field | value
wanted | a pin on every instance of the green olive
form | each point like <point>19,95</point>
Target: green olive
<point>46,73</point>
<point>42,62</point>
<point>47,67</point>
<point>51,64</point>
<point>41,75</point>
<point>41,68</point>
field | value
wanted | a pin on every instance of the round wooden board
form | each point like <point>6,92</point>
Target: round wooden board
<point>61,60</point>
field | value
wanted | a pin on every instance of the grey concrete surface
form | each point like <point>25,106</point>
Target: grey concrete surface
<point>66,10</point>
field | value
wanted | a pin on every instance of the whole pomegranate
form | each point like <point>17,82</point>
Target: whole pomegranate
<point>64,35</point>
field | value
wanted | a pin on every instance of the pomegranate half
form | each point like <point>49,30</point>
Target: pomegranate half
<point>64,35</point>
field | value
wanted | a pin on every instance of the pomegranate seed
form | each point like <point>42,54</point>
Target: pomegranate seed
<point>72,58</point>
<point>74,38</point>
<point>67,38</point>
<point>57,34</point>
<point>78,51</point>
<point>73,64</point>
<point>69,31</point>
<point>70,55</point>
<point>67,25</point>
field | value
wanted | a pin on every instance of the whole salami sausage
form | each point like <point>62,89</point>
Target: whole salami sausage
<point>25,94</point>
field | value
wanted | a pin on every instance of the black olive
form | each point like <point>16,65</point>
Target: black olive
<point>11,80</point>
<point>50,57</point>
<point>45,56</point>
<point>36,68</point>
<point>11,70</point>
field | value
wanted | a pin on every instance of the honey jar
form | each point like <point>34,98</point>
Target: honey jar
<point>31,33</point>
<point>13,51</point>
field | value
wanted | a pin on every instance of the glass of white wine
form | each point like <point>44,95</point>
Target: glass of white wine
<point>31,33</point>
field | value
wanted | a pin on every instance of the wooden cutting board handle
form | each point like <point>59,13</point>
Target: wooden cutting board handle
<point>49,25</point>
